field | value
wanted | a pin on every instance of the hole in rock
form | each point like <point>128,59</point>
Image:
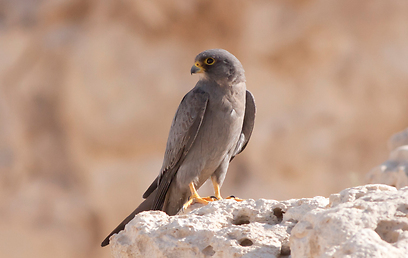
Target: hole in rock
<point>209,251</point>
<point>390,230</point>
<point>285,251</point>
<point>403,208</point>
<point>241,220</point>
<point>278,212</point>
<point>246,242</point>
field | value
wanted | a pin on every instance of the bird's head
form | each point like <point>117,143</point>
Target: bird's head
<point>219,65</point>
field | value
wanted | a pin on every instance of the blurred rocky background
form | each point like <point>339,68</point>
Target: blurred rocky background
<point>393,171</point>
<point>88,90</point>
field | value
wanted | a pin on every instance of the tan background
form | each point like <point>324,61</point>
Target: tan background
<point>88,90</point>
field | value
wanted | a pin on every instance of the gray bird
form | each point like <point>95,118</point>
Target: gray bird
<point>213,124</point>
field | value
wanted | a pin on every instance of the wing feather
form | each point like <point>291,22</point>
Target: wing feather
<point>183,132</point>
<point>248,125</point>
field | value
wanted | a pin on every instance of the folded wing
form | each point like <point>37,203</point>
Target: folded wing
<point>183,132</point>
<point>248,125</point>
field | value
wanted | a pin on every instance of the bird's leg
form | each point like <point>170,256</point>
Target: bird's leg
<point>216,186</point>
<point>195,197</point>
<point>217,192</point>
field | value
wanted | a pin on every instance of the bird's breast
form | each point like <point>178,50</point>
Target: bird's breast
<point>216,139</point>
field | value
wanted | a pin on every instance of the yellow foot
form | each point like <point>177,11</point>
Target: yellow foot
<point>195,199</point>
<point>211,198</point>
<point>235,198</point>
<point>218,194</point>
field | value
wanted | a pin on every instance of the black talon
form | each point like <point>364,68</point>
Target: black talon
<point>231,196</point>
<point>213,197</point>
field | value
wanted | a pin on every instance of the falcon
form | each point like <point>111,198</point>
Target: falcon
<point>212,125</point>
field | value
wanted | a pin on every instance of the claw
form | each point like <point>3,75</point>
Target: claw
<point>210,198</point>
<point>235,198</point>
<point>195,198</point>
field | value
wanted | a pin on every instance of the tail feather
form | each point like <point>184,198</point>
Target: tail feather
<point>146,205</point>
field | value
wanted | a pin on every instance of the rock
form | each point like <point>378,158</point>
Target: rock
<point>364,221</point>
<point>221,229</point>
<point>394,171</point>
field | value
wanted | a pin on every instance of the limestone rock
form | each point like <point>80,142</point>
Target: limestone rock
<point>364,221</point>
<point>394,171</point>
<point>221,229</point>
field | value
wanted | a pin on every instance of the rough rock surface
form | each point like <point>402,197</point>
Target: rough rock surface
<point>394,171</point>
<point>364,221</point>
<point>221,229</point>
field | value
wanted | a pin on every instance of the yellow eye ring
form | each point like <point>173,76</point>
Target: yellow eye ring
<point>209,61</point>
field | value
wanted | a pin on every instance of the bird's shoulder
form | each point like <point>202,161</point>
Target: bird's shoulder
<point>185,125</point>
<point>191,105</point>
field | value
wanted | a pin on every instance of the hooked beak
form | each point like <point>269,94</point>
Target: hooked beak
<point>197,68</point>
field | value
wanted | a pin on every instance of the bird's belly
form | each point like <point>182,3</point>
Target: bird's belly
<point>215,142</point>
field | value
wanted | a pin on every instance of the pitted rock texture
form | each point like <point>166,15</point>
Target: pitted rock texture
<point>224,228</point>
<point>364,221</point>
<point>394,171</point>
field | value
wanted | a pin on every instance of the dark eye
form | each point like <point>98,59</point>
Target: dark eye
<point>209,61</point>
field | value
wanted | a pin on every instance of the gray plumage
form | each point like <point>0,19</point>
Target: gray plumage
<point>213,124</point>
